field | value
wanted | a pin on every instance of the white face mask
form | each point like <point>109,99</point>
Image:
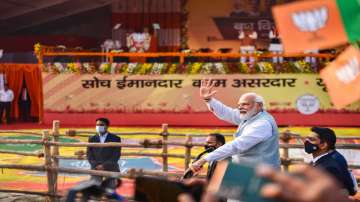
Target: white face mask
<point>100,129</point>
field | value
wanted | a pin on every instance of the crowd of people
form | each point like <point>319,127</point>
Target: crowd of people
<point>248,39</point>
<point>138,41</point>
<point>143,41</point>
<point>256,142</point>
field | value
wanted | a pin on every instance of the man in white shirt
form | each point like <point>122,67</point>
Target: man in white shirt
<point>248,38</point>
<point>275,45</point>
<point>139,42</point>
<point>6,98</point>
<point>256,139</point>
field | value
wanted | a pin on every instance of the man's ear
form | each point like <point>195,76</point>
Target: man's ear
<point>324,146</point>
<point>260,106</point>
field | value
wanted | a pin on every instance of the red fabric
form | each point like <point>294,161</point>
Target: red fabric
<point>33,81</point>
<point>140,20</point>
<point>15,74</point>
<point>153,44</point>
<point>137,21</point>
<point>14,78</point>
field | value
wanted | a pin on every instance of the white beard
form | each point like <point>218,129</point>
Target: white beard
<point>248,114</point>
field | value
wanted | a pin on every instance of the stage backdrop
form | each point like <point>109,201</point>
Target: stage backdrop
<point>216,25</point>
<point>297,93</point>
<point>134,15</point>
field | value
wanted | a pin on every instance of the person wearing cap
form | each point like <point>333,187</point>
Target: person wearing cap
<point>321,144</point>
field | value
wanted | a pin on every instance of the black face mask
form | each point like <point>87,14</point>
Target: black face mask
<point>210,148</point>
<point>310,147</point>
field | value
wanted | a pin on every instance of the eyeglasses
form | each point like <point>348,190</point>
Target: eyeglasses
<point>100,124</point>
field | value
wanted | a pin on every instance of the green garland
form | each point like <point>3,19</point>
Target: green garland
<point>176,68</point>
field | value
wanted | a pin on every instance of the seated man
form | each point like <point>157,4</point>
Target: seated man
<point>321,144</point>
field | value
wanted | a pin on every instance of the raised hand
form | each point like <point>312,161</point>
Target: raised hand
<point>206,89</point>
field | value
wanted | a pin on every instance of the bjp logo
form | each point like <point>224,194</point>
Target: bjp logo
<point>311,20</point>
<point>349,71</point>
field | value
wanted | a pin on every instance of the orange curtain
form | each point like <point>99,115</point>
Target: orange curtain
<point>14,78</point>
<point>14,74</point>
<point>33,81</point>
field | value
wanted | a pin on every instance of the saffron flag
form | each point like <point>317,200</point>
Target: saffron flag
<point>342,78</point>
<point>317,24</point>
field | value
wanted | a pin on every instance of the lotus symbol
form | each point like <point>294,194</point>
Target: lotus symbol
<point>311,20</point>
<point>349,72</point>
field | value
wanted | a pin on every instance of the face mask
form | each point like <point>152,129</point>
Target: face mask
<point>211,148</point>
<point>310,147</point>
<point>100,129</point>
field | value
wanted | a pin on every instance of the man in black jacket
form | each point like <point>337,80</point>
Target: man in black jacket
<point>321,144</point>
<point>213,141</point>
<point>103,158</point>
<point>24,103</point>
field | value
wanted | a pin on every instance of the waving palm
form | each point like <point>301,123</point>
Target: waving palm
<point>206,89</point>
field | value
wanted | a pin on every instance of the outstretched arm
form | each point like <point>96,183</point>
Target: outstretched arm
<point>254,35</point>
<point>222,111</point>
<point>260,131</point>
<point>271,34</point>
<point>241,35</point>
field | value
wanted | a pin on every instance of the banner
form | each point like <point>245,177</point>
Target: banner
<point>219,26</point>
<point>317,24</point>
<point>87,93</point>
<point>342,77</point>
